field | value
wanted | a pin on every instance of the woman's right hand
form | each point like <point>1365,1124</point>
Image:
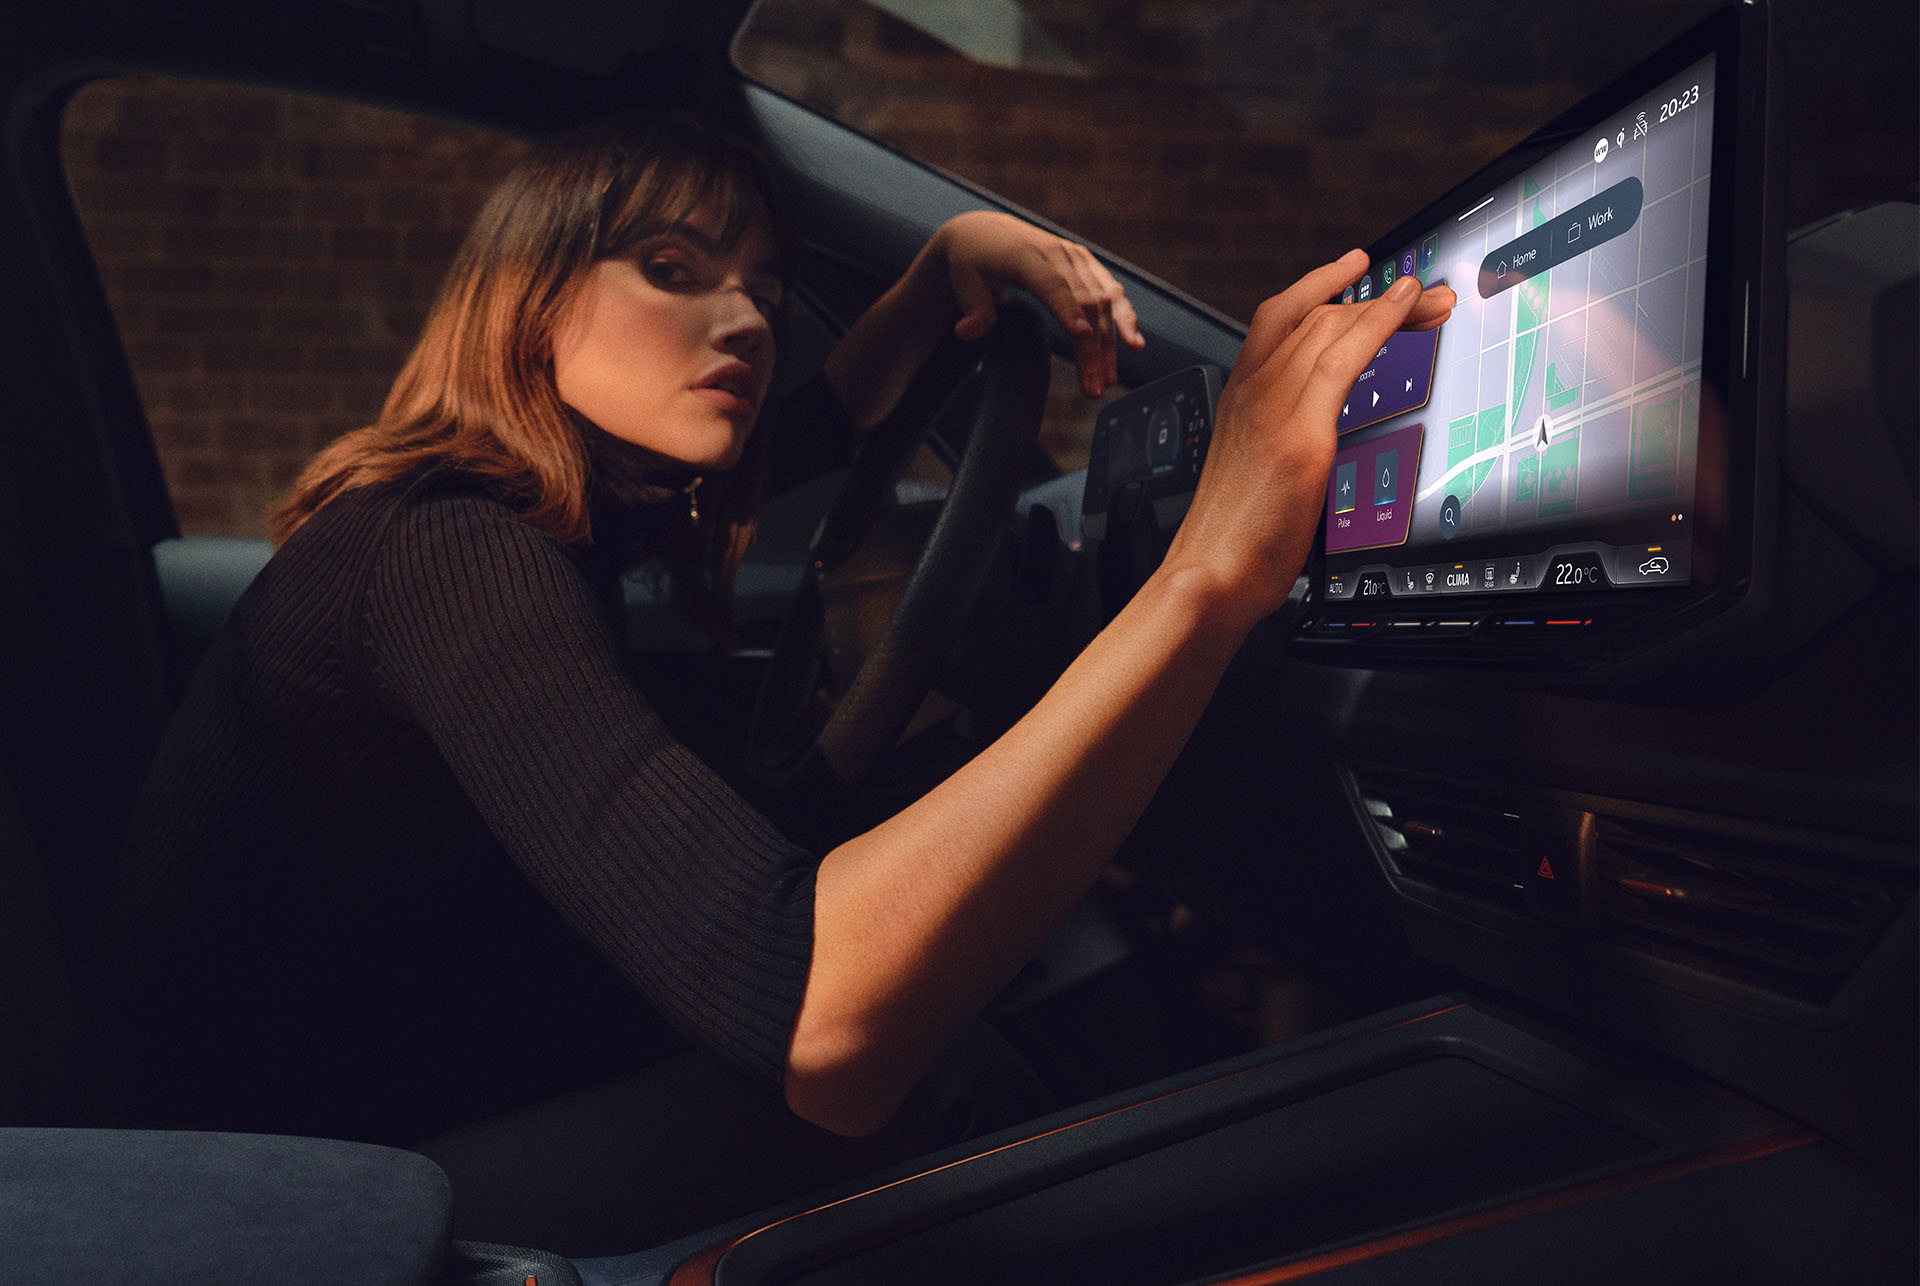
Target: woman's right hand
<point>1259,498</point>
<point>987,253</point>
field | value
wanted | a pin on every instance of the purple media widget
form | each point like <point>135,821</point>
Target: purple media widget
<point>1400,379</point>
<point>1370,491</point>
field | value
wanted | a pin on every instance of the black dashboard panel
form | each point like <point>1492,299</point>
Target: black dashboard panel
<point>1565,473</point>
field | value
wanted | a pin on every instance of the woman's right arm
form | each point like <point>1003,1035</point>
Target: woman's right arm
<point>918,922</point>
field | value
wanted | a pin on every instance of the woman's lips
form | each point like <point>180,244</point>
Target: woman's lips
<point>725,399</point>
<point>733,390</point>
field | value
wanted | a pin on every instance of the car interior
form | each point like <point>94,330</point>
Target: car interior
<point>1536,899</point>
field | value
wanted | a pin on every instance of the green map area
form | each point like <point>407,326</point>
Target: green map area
<point>1666,430</point>
<point>1573,388</point>
<point>1559,395</point>
<point>1553,481</point>
<point>1526,486</point>
<point>1468,436</point>
<point>1529,314</point>
<point>1529,307</point>
<point>1560,476</point>
<point>1472,434</point>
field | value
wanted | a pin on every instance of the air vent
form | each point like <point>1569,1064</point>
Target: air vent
<point>1793,921</point>
<point>1443,834</point>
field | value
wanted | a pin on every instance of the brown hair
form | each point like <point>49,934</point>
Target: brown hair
<point>477,394</point>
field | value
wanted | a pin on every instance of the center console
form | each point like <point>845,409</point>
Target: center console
<point>1437,1142</point>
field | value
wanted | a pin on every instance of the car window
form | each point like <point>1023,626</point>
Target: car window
<point>269,258</point>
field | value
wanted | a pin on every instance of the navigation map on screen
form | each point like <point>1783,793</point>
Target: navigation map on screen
<point>1563,394</point>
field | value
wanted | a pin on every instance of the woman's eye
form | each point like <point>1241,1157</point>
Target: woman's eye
<point>667,271</point>
<point>768,305</point>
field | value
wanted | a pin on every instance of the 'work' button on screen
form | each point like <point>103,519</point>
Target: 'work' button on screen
<point>1563,237</point>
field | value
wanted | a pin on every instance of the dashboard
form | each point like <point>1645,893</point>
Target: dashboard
<point>1672,845</point>
<point>1604,650</point>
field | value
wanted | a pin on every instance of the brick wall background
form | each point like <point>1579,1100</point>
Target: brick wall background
<point>270,257</point>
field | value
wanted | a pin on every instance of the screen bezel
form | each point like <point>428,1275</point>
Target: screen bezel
<point>1722,552</point>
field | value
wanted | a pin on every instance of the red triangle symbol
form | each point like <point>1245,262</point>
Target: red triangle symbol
<point>1546,869</point>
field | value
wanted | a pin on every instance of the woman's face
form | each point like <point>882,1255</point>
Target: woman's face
<point>670,346</point>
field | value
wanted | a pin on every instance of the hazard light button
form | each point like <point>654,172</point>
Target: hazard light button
<point>1553,879</point>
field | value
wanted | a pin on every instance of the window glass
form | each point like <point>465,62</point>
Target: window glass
<point>1223,145</point>
<point>269,258</point>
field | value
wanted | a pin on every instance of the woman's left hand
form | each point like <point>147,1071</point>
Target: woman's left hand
<point>988,253</point>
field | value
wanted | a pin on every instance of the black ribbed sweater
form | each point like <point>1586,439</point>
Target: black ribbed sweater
<point>409,782</point>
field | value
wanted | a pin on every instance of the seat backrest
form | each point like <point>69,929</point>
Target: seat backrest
<point>84,697</point>
<point>83,701</point>
<point>39,1015</point>
<point>201,578</point>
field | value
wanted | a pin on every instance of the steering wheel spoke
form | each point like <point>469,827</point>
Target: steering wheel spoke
<point>1000,384</point>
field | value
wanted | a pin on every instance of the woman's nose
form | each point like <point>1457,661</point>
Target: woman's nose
<point>741,326</point>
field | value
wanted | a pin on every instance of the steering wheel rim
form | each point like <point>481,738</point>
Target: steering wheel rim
<point>1004,376</point>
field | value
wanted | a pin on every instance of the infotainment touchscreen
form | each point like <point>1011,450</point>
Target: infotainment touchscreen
<point>1548,440</point>
<point>1550,427</point>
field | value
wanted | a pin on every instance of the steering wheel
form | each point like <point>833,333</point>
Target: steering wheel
<point>999,385</point>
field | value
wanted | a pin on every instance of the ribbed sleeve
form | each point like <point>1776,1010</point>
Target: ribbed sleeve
<point>487,637</point>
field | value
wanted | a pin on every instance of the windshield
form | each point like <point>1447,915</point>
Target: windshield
<point>1222,147</point>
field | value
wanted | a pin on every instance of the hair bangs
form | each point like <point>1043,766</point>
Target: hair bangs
<point>477,394</point>
<point>691,177</point>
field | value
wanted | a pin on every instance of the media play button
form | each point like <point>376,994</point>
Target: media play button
<point>1399,380</point>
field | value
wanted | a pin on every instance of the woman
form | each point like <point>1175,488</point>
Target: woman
<point>411,794</point>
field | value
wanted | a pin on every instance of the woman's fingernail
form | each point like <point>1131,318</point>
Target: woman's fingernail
<point>1404,287</point>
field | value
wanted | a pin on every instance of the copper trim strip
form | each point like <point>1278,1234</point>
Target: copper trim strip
<point>1600,1189</point>
<point>699,1270</point>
